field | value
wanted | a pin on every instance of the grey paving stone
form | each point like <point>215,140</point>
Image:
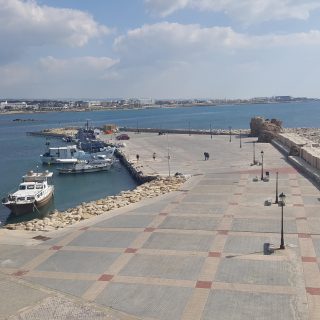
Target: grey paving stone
<point>74,287</point>
<point>184,242</point>
<point>126,221</point>
<point>212,189</point>
<point>248,244</point>
<point>316,244</point>
<point>190,223</point>
<point>311,200</point>
<point>220,182</point>
<point>109,239</point>
<point>255,272</point>
<point>208,198</point>
<point>153,208</point>
<point>310,211</point>
<point>204,208</point>
<point>12,256</point>
<point>81,262</point>
<point>314,225</point>
<point>233,305</point>
<point>156,302</point>
<point>263,225</point>
<point>162,266</point>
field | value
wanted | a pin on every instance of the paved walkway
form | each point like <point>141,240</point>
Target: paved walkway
<point>203,252</point>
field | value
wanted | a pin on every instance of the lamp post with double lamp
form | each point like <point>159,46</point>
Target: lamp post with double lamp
<point>229,134</point>
<point>262,153</point>
<point>240,139</point>
<point>254,152</point>
<point>282,197</point>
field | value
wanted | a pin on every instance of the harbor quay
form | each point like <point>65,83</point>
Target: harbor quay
<point>209,250</point>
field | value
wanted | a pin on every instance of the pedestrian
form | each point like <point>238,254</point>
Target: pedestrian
<point>137,156</point>
<point>154,156</point>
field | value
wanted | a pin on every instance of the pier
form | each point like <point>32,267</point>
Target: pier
<point>209,248</point>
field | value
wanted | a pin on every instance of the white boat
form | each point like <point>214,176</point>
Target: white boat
<point>70,154</point>
<point>98,163</point>
<point>34,192</point>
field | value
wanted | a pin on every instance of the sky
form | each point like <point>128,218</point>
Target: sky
<point>160,49</point>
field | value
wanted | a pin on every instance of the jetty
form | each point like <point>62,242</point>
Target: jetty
<point>210,249</point>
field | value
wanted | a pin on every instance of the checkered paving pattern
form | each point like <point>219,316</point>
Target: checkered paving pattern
<point>212,249</point>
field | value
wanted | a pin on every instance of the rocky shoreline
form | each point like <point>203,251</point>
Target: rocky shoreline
<point>60,219</point>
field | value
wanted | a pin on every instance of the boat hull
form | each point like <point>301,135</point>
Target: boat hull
<point>86,170</point>
<point>18,209</point>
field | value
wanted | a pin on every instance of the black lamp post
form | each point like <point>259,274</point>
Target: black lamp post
<point>262,164</point>
<point>254,152</point>
<point>282,197</point>
<point>210,130</point>
<point>240,139</point>
<point>277,201</point>
<point>229,134</point>
<point>189,129</point>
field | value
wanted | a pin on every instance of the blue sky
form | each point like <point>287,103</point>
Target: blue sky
<point>159,48</point>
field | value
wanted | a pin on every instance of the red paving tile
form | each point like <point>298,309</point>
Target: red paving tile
<point>225,232</point>
<point>163,214</point>
<point>301,218</point>
<point>149,229</point>
<point>214,254</point>
<point>309,259</point>
<point>233,203</point>
<point>56,247</point>
<point>20,273</point>
<point>204,284</point>
<point>131,250</point>
<point>313,291</point>
<point>304,235</point>
<point>105,277</point>
<point>298,205</point>
<point>84,228</point>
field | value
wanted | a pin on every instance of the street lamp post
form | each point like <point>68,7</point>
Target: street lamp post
<point>254,152</point>
<point>240,139</point>
<point>210,130</point>
<point>277,201</point>
<point>262,164</point>
<point>282,197</point>
<point>189,129</point>
<point>229,134</point>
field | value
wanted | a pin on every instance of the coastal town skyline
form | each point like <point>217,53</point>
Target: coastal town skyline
<point>150,48</point>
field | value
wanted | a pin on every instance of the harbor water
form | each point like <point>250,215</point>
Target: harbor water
<point>21,153</point>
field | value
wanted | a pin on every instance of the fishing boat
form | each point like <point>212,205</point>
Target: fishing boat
<point>98,163</point>
<point>34,192</point>
<point>70,154</point>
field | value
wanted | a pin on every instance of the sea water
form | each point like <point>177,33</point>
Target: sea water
<point>21,153</point>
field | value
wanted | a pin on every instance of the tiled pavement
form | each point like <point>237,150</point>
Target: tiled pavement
<point>209,251</point>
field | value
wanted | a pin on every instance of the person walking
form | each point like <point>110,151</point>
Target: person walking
<point>154,156</point>
<point>137,156</point>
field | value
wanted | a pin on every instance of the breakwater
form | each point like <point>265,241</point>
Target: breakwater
<point>60,219</point>
<point>187,131</point>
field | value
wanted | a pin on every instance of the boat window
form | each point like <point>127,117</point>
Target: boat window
<point>30,198</point>
<point>39,187</point>
<point>30,187</point>
<point>22,187</point>
<point>20,198</point>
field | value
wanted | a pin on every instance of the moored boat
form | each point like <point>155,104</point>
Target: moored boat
<point>34,192</point>
<point>98,163</point>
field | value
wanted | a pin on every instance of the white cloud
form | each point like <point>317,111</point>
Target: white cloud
<point>247,11</point>
<point>77,65</point>
<point>26,24</point>
<point>172,40</point>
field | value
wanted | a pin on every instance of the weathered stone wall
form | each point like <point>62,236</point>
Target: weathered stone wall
<point>265,129</point>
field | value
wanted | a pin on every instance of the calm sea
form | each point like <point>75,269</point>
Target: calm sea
<point>20,153</point>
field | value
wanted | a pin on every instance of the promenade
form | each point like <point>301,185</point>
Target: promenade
<point>207,251</point>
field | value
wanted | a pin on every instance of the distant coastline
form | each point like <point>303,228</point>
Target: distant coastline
<point>169,106</point>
